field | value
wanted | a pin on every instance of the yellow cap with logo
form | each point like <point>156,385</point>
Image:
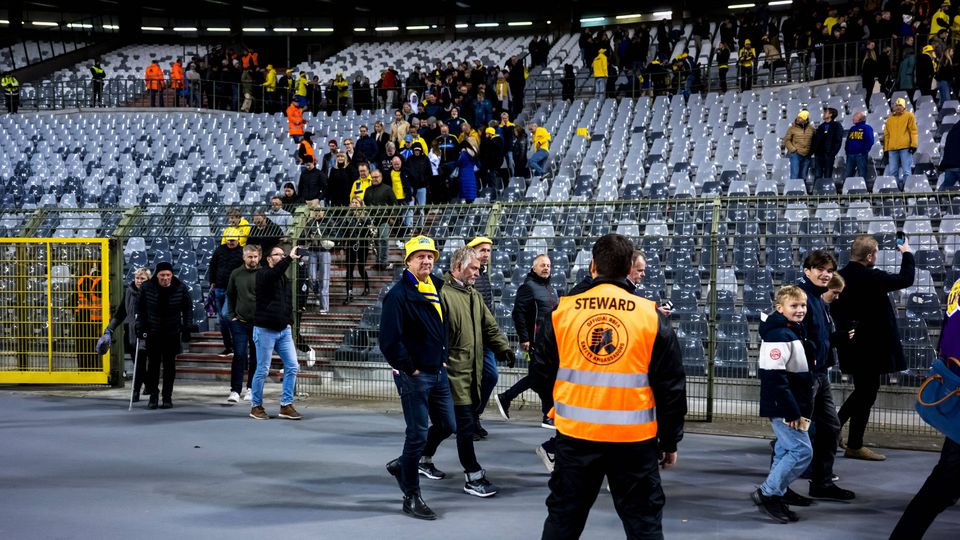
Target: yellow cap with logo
<point>420,243</point>
<point>480,240</point>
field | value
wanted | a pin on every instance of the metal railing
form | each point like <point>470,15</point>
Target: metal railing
<point>718,258</point>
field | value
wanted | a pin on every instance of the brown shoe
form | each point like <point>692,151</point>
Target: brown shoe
<point>288,412</point>
<point>864,453</point>
<point>257,413</point>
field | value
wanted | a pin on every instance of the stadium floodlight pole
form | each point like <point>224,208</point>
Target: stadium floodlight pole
<point>133,387</point>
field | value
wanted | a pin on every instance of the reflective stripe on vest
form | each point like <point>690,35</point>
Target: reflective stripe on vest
<point>605,341</point>
<point>89,299</point>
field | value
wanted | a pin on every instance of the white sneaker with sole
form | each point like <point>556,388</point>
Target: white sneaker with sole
<point>246,394</point>
<point>547,458</point>
<point>234,398</point>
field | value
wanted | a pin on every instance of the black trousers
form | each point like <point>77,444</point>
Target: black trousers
<point>162,351</point>
<point>466,427</point>
<point>939,492</point>
<point>140,369</point>
<point>723,79</point>
<point>524,384</point>
<point>631,468</point>
<point>97,99</point>
<point>826,428</point>
<point>857,407</point>
<point>357,259</point>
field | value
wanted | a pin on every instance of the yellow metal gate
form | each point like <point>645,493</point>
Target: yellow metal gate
<point>54,306</point>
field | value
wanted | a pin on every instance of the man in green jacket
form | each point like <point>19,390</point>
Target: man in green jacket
<point>241,306</point>
<point>471,327</point>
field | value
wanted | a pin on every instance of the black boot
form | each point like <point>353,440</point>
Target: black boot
<point>153,403</point>
<point>167,403</point>
<point>136,396</point>
<point>366,289</point>
<point>348,299</point>
<point>415,506</point>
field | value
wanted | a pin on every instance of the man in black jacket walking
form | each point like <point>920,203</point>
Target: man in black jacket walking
<point>164,317</point>
<point>413,339</point>
<point>225,259</point>
<point>272,332</point>
<point>827,142</point>
<point>313,182</point>
<point>875,349</point>
<point>535,300</point>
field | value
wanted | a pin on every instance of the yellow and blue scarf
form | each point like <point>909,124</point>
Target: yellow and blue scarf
<point>429,291</point>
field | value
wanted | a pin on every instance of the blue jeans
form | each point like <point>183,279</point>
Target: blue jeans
<point>600,86</point>
<point>538,161</point>
<point>900,164</point>
<point>267,341</point>
<point>220,301</point>
<point>791,456</point>
<point>798,165</point>
<point>428,412</point>
<point>242,334</point>
<point>687,86</point>
<point>951,177</point>
<point>488,381</point>
<point>857,163</point>
<point>943,92</point>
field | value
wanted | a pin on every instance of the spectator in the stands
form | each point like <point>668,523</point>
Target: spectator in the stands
<point>278,215</point>
<point>600,73</point>
<point>237,226</point>
<point>869,70</point>
<point>950,159</point>
<point>925,71</point>
<point>355,242</point>
<point>798,143</point>
<point>330,158</point>
<point>264,233</point>
<point>225,259</point>
<point>467,165</point>
<point>380,194</point>
<point>367,146</point>
<point>827,141</point>
<point>313,183</point>
<point>305,148</point>
<point>491,159</point>
<point>900,141</point>
<point>289,195</point>
<point>541,149</point>
<point>859,142</point>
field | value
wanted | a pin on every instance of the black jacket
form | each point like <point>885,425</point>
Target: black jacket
<point>875,348</point>
<point>536,298</point>
<point>491,153</point>
<point>312,185</point>
<point>338,186</point>
<point>666,375</point>
<point>126,313</point>
<point>816,326</point>
<point>267,237</point>
<point>222,263</point>
<point>274,301</point>
<point>164,311</point>
<point>951,151</point>
<point>484,288</point>
<point>418,170</point>
<point>828,139</point>
<point>412,334</point>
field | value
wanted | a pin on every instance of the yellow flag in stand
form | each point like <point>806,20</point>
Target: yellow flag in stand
<point>582,132</point>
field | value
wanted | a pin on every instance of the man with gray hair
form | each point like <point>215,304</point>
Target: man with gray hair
<point>858,145</point>
<point>471,327</point>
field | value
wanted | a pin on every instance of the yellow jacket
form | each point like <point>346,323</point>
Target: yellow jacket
<point>600,64</point>
<point>270,83</point>
<point>343,88</point>
<point>241,231</point>
<point>900,132</point>
<point>541,139</point>
<point>935,22</point>
<point>359,188</point>
<point>747,56</point>
<point>302,86</point>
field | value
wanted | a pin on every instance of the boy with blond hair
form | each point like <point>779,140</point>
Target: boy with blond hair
<point>786,388</point>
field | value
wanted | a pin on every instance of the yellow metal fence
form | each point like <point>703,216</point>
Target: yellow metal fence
<point>54,305</point>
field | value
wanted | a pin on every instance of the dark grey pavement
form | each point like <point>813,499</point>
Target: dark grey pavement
<point>83,467</point>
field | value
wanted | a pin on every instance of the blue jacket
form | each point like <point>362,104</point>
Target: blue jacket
<point>817,325</point>
<point>468,176</point>
<point>412,335</point>
<point>859,139</point>
<point>786,386</point>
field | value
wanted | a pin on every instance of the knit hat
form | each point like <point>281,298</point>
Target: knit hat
<point>163,265</point>
<point>803,115</point>
<point>480,240</point>
<point>419,243</point>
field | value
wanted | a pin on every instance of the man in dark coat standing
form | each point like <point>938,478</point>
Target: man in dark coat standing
<point>875,349</point>
<point>164,317</point>
<point>827,142</point>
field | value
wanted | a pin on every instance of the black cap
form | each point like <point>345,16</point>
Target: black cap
<point>163,265</point>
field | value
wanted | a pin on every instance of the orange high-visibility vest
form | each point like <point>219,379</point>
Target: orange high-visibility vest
<point>88,297</point>
<point>176,76</point>
<point>154,77</point>
<point>605,340</point>
<point>308,150</point>
<point>295,120</point>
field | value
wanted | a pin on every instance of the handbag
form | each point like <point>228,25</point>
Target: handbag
<point>938,399</point>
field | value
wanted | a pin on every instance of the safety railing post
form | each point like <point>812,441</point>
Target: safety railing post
<point>712,307</point>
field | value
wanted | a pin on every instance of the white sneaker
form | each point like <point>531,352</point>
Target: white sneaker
<point>246,394</point>
<point>234,398</point>
<point>547,458</point>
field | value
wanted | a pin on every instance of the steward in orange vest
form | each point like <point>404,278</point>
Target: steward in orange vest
<point>177,81</point>
<point>89,321</point>
<point>155,83</point>
<point>295,121</point>
<point>619,398</point>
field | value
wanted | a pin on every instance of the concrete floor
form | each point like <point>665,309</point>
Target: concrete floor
<point>83,467</point>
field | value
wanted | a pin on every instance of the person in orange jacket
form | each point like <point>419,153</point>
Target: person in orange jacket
<point>295,121</point>
<point>177,80</point>
<point>155,83</point>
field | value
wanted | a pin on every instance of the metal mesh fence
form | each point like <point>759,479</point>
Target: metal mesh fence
<point>717,253</point>
<point>53,300</point>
